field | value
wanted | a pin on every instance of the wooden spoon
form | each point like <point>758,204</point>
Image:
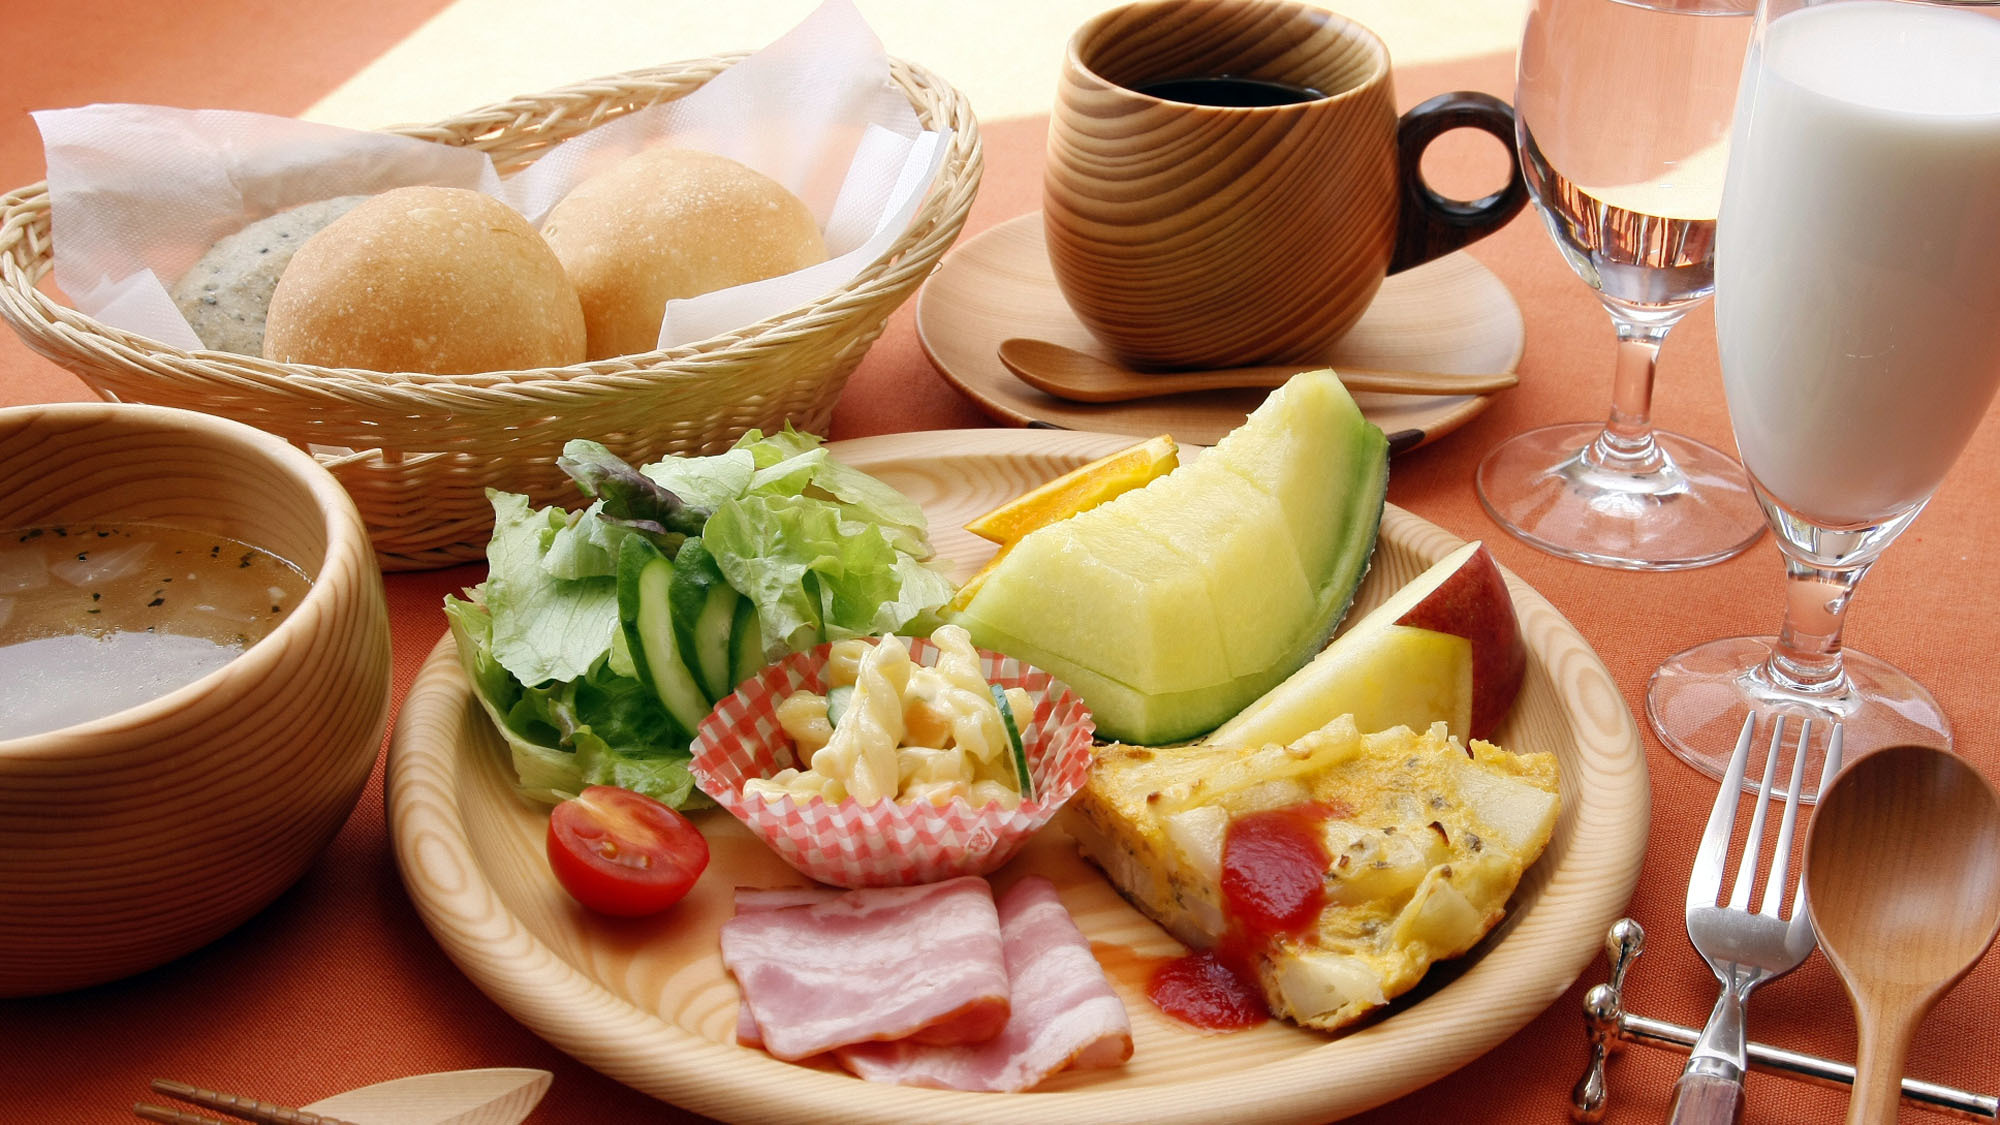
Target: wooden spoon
<point>1902,875</point>
<point>1080,377</point>
<point>495,1096</point>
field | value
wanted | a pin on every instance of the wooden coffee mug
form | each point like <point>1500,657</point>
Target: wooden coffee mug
<point>1254,228</point>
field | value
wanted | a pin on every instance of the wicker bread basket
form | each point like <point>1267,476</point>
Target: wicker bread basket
<point>417,452</point>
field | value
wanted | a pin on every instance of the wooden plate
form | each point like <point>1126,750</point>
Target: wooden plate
<point>1451,316</point>
<point>648,1003</point>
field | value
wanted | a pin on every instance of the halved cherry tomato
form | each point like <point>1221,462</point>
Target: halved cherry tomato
<point>623,853</point>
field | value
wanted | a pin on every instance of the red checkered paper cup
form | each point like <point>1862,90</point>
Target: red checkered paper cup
<point>885,844</point>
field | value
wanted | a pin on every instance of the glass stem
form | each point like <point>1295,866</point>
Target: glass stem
<point>1627,444</point>
<point>1807,655</point>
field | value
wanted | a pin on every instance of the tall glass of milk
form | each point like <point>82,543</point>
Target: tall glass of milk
<point>1858,316</point>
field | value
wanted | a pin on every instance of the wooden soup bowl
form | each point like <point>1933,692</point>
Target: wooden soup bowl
<point>132,839</point>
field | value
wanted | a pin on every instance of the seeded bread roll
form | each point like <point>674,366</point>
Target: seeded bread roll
<point>227,293</point>
<point>669,223</point>
<point>427,279</point>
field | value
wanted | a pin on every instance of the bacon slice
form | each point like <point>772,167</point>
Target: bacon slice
<point>749,899</point>
<point>922,963</point>
<point>1065,1013</point>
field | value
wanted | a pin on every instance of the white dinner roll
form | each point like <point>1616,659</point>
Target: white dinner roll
<point>430,279</point>
<point>669,223</point>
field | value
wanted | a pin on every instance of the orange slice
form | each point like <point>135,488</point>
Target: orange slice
<point>1078,490</point>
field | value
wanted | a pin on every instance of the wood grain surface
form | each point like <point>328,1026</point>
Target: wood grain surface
<point>1082,377</point>
<point>648,1003</point>
<point>486,1096</point>
<point>1902,876</point>
<point>138,837</point>
<point>1451,316</point>
<point>1210,236</point>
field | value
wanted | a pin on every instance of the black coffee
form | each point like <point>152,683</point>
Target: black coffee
<point>1228,90</point>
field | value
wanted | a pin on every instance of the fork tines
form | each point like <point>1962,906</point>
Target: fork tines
<point>1704,888</point>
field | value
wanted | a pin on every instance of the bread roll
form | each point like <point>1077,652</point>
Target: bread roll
<point>227,292</point>
<point>440,280</point>
<point>669,223</point>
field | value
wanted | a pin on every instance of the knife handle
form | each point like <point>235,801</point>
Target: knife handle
<point>1707,1099</point>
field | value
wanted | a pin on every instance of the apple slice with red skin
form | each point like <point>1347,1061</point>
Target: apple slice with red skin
<point>1378,670</point>
<point>1465,595</point>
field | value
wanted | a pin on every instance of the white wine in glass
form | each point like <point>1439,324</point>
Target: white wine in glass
<point>1858,313</point>
<point>1622,113</point>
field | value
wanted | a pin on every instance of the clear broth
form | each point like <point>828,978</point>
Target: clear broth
<point>95,619</point>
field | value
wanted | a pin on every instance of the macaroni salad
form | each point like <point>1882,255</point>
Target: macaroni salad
<point>908,732</point>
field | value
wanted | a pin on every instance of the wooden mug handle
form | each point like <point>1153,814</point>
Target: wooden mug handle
<point>1433,225</point>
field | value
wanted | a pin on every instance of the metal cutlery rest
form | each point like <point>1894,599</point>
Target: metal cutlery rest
<point>1610,1027</point>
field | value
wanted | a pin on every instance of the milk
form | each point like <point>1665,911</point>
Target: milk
<point>1858,255</point>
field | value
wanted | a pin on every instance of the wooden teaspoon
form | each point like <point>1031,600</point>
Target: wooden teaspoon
<point>1070,374</point>
<point>1902,875</point>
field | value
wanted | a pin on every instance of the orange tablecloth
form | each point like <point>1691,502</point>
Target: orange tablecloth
<point>338,984</point>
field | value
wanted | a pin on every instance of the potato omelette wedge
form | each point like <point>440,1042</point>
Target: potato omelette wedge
<point>1410,846</point>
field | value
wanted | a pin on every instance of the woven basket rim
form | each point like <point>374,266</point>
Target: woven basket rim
<point>963,157</point>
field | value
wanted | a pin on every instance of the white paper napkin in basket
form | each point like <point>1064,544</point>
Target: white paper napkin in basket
<point>138,193</point>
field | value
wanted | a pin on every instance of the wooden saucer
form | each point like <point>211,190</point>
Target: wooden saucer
<point>1449,316</point>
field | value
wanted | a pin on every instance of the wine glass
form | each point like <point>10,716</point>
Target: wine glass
<point>1858,313</point>
<point>1622,112</point>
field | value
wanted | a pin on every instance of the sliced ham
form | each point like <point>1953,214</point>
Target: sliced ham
<point>750,899</point>
<point>921,963</point>
<point>1064,1012</point>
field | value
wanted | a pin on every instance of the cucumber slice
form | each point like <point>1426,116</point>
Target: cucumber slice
<point>645,591</point>
<point>1015,750</point>
<point>711,640</point>
<point>704,606</point>
<point>746,643</point>
<point>837,701</point>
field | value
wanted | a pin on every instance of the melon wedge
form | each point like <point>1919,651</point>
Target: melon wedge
<point>1118,594</point>
<point>1170,607</point>
<point>1240,531</point>
<point>1078,490</point>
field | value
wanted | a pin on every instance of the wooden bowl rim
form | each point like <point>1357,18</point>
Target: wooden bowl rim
<point>1381,71</point>
<point>347,548</point>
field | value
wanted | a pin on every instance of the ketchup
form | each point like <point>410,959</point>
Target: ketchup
<point>1274,871</point>
<point>1199,989</point>
<point>1273,885</point>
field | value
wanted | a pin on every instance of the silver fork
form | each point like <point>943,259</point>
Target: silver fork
<point>1743,948</point>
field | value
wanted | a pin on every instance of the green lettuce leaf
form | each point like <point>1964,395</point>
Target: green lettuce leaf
<point>602,728</point>
<point>628,498</point>
<point>587,547</point>
<point>544,627</point>
<point>816,575</point>
<point>706,481</point>
<point>795,464</point>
